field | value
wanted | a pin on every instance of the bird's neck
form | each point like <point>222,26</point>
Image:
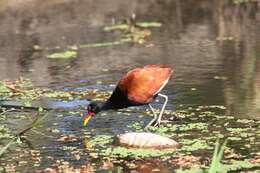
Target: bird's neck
<point>105,106</point>
<point>117,100</point>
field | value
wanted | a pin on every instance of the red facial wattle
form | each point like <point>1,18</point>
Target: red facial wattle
<point>88,117</point>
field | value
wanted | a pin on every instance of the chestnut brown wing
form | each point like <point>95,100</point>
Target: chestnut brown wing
<point>142,84</point>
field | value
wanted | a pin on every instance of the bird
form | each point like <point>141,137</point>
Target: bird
<point>140,86</point>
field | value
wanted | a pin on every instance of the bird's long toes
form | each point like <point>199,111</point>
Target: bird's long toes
<point>157,124</point>
<point>147,130</point>
<point>165,121</point>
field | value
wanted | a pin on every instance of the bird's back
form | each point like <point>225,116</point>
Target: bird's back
<point>140,85</point>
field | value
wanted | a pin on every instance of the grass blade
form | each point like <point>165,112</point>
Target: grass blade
<point>217,156</point>
<point>36,122</point>
<point>3,150</point>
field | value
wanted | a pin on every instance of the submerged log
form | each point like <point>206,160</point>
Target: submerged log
<point>146,140</point>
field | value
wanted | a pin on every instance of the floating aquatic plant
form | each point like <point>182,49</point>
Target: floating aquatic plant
<point>63,55</point>
<point>138,24</point>
<point>196,128</point>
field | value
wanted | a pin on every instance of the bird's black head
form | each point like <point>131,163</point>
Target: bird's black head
<point>93,108</point>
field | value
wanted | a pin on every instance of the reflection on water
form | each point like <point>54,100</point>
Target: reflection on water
<point>241,59</point>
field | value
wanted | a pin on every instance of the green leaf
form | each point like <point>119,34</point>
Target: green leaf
<point>63,55</point>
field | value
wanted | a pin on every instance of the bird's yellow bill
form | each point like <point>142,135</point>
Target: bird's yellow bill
<point>86,120</point>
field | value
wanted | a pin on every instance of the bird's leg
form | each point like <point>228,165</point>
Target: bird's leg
<point>153,120</point>
<point>162,110</point>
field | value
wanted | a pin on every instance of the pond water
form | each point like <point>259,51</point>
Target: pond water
<point>213,47</point>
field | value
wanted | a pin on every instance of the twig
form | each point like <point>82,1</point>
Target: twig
<point>14,89</point>
<point>10,110</point>
<point>21,107</point>
<point>48,136</point>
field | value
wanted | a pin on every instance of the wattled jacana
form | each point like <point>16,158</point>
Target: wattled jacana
<point>139,86</point>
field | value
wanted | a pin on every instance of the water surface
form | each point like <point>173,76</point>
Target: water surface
<point>213,47</point>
